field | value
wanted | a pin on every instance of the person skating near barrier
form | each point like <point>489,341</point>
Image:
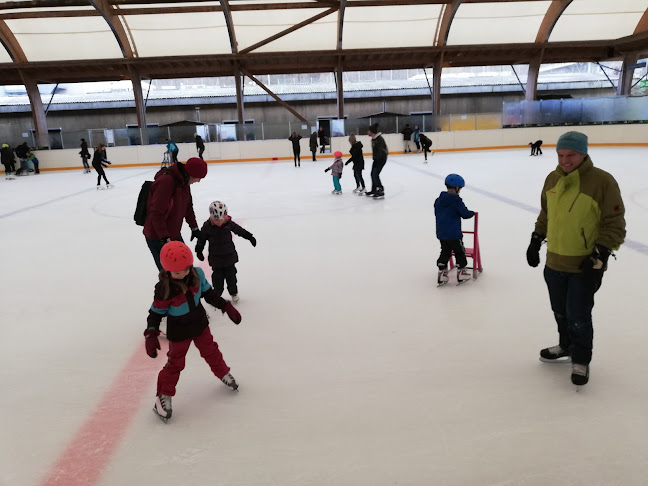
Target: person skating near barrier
<point>582,217</point>
<point>358,164</point>
<point>99,162</point>
<point>426,145</point>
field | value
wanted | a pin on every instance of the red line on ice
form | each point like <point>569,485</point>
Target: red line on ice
<point>85,458</point>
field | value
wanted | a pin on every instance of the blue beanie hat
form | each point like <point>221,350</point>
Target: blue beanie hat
<point>575,141</point>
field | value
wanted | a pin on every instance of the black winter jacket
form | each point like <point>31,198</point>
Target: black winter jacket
<point>356,156</point>
<point>222,252</point>
<point>379,149</point>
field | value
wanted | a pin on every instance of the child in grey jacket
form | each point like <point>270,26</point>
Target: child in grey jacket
<point>336,170</point>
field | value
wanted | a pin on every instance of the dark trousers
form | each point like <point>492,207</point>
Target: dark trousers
<point>296,157</point>
<point>449,246</point>
<point>222,275</point>
<point>174,156</point>
<point>426,150</point>
<point>418,144</point>
<point>85,158</point>
<point>376,185</point>
<point>201,150</point>
<point>357,173</point>
<point>314,152</point>
<point>100,174</point>
<point>170,374</point>
<point>572,300</point>
<point>322,146</point>
<point>156,246</point>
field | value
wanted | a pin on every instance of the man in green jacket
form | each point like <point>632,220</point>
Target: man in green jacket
<point>582,219</point>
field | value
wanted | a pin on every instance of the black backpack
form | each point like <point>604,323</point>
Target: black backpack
<point>142,200</point>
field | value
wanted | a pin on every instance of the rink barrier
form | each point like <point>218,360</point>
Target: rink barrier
<point>258,151</point>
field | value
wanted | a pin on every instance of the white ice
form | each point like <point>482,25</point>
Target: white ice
<point>354,368</point>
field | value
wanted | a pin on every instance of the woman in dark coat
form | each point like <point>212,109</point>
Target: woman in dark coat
<point>313,144</point>
<point>99,161</point>
<point>294,138</point>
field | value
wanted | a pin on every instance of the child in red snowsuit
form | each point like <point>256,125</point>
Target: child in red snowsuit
<point>177,296</point>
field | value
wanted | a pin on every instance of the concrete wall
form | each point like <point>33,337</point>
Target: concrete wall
<point>281,149</point>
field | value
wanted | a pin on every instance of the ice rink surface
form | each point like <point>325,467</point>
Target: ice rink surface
<point>354,368</point>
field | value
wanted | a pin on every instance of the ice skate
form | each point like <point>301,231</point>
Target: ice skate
<point>370,193</point>
<point>100,188</point>
<point>361,191</point>
<point>555,354</point>
<point>109,186</point>
<point>162,407</point>
<point>378,195</point>
<point>356,190</point>
<point>235,298</point>
<point>442,277</point>
<point>463,275</point>
<point>229,380</point>
<point>580,374</point>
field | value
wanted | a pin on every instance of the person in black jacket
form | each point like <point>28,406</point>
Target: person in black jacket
<point>222,258</point>
<point>22,151</point>
<point>321,134</point>
<point>407,137</point>
<point>200,146</point>
<point>358,165</point>
<point>85,155</point>
<point>8,160</point>
<point>380,152</point>
<point>294,138</point>
<point>99,161</point>
<point>313,144</point>
<point>426,143</point>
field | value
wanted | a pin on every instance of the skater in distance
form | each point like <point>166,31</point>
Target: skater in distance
<point>358,164</point>
<point>582,219</point>
<point>99,161</point>
<point>535,147</point>
<point>222,257</point>
<point>449,210</point>
<point>177,296</point>
<point>380,152</point>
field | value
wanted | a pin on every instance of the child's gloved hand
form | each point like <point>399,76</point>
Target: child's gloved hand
<point>253,240</point>
<point>200,256</point>
<point>151,342</point>
<point>232,313</point>
<point>326,170</point>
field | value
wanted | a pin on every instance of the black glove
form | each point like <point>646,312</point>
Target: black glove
<point>533,252</point>
<point>347,162</point>
<point>164,240</point>
<point>326,170</point>
<point>253,240</point>
<point>596,262</point>
<point>200,256</point>
<point>195,233</point>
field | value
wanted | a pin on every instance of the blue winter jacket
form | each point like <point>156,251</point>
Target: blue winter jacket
<point>449,209</point>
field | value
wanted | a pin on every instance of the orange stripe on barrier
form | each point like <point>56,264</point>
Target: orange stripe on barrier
<point>86,457</point>
<point>330,156</point>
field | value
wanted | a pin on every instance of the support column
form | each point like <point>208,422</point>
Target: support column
<point>340,91</point>
<point>532,81</point>
<point>436,87</point>
<point>625,76</point>
<point>38,112</point>
<point>140,106</point>
<point>240,108</point>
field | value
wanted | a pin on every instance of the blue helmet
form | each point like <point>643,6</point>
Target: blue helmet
<point>455,180</point>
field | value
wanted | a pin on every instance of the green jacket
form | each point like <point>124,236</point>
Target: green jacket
<point>579,209</point>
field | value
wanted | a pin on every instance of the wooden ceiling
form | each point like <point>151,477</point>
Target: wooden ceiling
<point>287,62</point>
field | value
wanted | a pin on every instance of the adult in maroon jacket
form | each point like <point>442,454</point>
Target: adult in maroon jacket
<point>170,203</point>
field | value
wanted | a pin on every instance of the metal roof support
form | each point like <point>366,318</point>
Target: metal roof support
<point>240,107</point>
<point>625,76</point>
<point>51,98</point>
<point>279,100</point>
<point>606,75</point>
<point>38,113</point>
<point>340,30</point>
<point>140,104</point>
<point>289,30</point>
<point>436,87</point>
<point>519,82</point>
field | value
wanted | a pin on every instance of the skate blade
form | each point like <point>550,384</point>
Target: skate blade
<point>564,359</point>
<point>163,419</point>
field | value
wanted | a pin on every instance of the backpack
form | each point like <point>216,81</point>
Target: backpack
<point>142,200</point>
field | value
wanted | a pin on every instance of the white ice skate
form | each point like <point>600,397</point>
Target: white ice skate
<point>100,188</point>
<point>463,275</point>
<point>229,380</point>
<point>110,186</point>
<point>442,277</point>
<point>235,298</point>
<point>162,407</point>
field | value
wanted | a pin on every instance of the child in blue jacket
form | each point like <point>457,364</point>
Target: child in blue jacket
<point>449,209</point>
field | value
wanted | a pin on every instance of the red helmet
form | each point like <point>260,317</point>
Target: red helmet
<point>337,154</point>
<point>175,256</point>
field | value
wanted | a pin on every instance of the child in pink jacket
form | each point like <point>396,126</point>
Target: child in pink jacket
<point>336,170</point>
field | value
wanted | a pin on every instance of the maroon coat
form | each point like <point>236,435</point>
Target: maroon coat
<point>168,204</point>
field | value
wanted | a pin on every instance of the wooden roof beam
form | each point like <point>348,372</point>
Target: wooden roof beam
<point>554,12</point>
<point>109,14</point>
<point>230,25</point>
<point>9,41</point>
